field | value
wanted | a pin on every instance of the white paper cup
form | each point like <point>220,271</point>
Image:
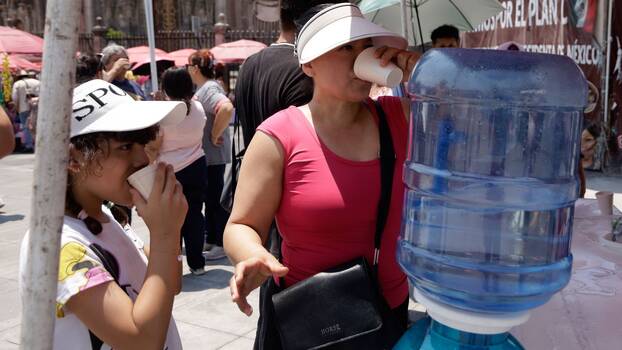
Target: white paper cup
<point>143,179</point>
<point>605,202</point>
<point>368,68</point>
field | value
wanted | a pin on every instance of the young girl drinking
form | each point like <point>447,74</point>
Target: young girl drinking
<point>110,295</point>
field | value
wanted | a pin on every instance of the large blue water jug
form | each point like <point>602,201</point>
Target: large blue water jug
<point>491,177</point>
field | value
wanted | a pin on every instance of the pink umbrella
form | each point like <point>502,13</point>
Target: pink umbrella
<point>17,63</point>
<point>236,51</point>
<point>17,41</point>
<point>139,58</point>
<point>141,54</point>
<point>181,56</point>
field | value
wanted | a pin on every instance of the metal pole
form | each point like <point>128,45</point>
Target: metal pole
<point>88,15</point>
<point>608,66</point>
<point>151,39</point>
<point>404,19</point>
<point>50,180</point>
<point>419,25</point>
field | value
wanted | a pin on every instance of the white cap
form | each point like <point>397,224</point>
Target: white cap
<point>100,106</point>
<point>338,25</point>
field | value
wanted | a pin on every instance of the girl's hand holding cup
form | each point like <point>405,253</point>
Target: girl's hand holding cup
<point>165,208</point>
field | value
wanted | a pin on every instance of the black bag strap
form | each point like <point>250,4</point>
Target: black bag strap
<point>236,158</point>
<point>387,166</point>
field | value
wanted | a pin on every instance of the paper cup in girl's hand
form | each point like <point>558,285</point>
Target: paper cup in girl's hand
<point>143,179</point>
<point>367,67</point>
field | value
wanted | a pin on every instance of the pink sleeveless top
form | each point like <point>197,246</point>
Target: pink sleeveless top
<point>328,208</point>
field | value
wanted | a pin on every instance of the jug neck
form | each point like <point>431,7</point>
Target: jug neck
<point>478,323</point>
<point>466,338</point>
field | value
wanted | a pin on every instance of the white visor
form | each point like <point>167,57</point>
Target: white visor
<point>338,25</point>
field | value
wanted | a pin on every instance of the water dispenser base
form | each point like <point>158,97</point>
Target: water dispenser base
<point>472,322</point>
<point>428,334</point>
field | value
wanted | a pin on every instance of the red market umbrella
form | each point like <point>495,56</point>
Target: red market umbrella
<point>17,63</point>
<point>141,54</point>
<point>236,51</point>
<point>181,56</point>
<point>143,67</point>
<point>17,41</point>
<point>139,58</point>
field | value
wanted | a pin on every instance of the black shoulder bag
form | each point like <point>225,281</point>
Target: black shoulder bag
<point>341,308</point>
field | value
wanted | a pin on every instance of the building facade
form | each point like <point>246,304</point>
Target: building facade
<point>128,16</point>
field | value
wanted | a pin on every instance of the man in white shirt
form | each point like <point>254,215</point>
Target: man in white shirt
<point>24,88</point>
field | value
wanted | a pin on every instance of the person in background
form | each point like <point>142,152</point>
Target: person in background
<point>271,80</point>
<point>182,147</point>
<point>316,169</point>
<point>216,144</point>
<point>23,89</point>
<point>445,36</point>
<point>510,46</point>
<point>115,65</point>
<point>88,67</point>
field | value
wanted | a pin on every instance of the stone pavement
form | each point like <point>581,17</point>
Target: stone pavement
<point>205,315</point>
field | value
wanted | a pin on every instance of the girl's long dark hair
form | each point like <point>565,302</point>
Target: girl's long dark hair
<point>177,84</point>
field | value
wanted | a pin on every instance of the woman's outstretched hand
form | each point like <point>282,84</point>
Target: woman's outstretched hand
<point>250,274</point>
<point>406,60</point>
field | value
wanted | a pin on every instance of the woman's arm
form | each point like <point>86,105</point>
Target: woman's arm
<point>257,198</point>
<point>7,139</point>
<point>221,122</point>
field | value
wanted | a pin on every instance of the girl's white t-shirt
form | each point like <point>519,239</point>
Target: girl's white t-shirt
<point>182,143</point>
<point>81,268</point>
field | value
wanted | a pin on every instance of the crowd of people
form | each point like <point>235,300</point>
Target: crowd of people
<point>309,181</point>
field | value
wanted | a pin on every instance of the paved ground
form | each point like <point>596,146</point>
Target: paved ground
<point>205,315</point>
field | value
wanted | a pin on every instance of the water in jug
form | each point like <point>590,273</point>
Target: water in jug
<point>491,181</point>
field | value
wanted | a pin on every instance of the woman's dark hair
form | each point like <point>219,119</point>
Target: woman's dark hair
<point>291,10</point>
<point>177,85</point>
<point>92,146</point>
<point>205,61</point>
<point>309,13</point>
<point>87,67</point>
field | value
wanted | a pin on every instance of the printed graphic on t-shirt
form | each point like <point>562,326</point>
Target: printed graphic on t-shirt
<point>77,272</point>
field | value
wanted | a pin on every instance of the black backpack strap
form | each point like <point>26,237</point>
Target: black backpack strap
<point>387,166</point>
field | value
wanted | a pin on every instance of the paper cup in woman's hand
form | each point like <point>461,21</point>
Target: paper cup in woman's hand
<point>143,179</point>
<point>367,67</point>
